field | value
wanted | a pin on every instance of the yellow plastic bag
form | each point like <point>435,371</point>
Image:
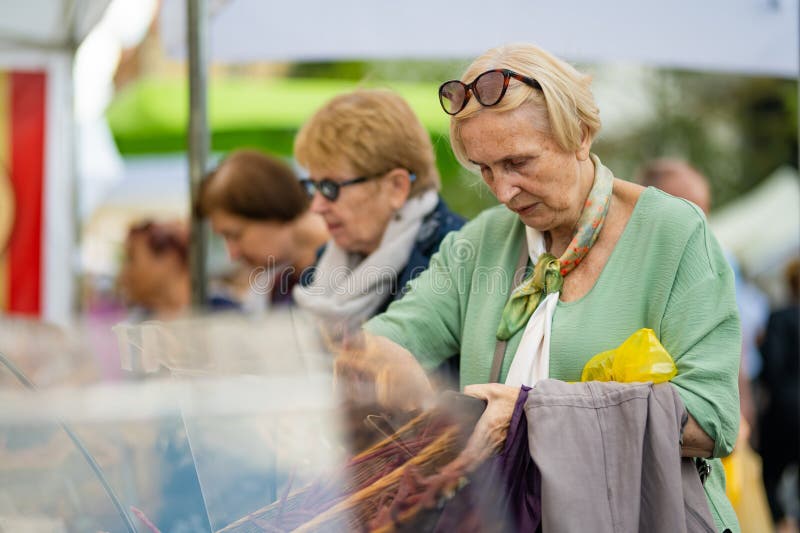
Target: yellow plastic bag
<point>640,358</point>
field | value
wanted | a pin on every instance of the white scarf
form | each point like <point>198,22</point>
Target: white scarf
<point>344,293</point>
<point>532,360</point>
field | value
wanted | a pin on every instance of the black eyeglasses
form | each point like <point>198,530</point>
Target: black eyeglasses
<point>329,188</point>
<point>488,88</point>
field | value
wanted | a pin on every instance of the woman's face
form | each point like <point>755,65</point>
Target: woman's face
<point>145,273</point>
<point>257,243</point>
<point>525,168</point>
<point>357,219</point>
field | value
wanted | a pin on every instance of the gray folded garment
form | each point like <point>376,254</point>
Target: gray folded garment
<point>610,461</point>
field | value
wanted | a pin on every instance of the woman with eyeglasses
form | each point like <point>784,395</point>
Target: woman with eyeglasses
<point>596,258</point>
<point>372,177</point>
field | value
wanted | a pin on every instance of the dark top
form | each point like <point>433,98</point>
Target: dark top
<point>435,226</point>
<point>781,352</point>
<point>286,280</point>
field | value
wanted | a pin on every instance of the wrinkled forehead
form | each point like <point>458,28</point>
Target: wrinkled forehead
<point>506,125</point>
<point>518,97</point>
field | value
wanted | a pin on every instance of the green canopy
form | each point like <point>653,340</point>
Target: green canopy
<point>150,117</point>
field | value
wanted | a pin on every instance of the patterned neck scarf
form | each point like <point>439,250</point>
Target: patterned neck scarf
<point>548,273</point>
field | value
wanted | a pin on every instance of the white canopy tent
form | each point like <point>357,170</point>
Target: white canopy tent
<point>758,37</point>
<point>47,25</point>
<point>762,229</point>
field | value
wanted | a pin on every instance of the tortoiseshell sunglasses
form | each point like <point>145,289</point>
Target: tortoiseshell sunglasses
<point>488,88</point>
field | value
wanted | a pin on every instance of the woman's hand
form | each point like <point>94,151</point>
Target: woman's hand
<point>696,442</point>
<point>491,430</point>
<point>374,369</point>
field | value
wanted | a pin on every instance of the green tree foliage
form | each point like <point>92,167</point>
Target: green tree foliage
<point>737,130</point>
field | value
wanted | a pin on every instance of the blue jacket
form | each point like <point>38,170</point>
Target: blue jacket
<point>435,226</point>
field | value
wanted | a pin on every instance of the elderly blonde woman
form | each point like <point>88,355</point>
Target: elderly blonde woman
<point>373,179</point>
<point>604,257</point>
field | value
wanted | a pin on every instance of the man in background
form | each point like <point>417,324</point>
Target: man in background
<point>780,439</point>
<point>744,484</point>
<point>680,179</point>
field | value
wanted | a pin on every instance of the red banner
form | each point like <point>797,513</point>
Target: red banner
<point>25,128</point>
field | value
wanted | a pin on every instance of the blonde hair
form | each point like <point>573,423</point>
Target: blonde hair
<point>565,103</point>
<point>373,131</point>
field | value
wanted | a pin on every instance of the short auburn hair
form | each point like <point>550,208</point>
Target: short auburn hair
<point>373,131</point>
<point>253,185</point>
<point>162,237</point>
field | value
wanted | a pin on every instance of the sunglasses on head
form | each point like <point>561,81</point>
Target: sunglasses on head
<point>330,189</point>
<point>488,88</point>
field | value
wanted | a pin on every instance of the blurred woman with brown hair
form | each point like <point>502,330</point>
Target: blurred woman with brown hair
<point>258,206</point>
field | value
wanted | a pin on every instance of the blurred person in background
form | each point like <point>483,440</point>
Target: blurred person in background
<point>680,179</point>
<point>154,278</point>
<point>744,487</point>
<point>374,181</point>
<point>155,281</point>
<point>780,444</point>
<point>257,205</point>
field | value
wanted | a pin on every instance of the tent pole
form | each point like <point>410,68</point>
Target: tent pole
<point>197,35</point>
<point>76,260</point>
